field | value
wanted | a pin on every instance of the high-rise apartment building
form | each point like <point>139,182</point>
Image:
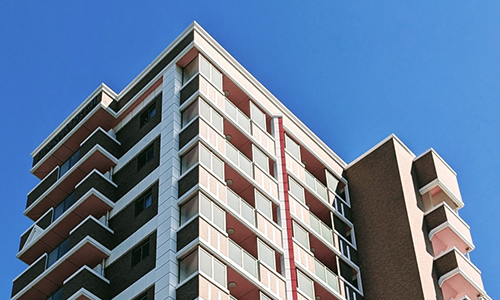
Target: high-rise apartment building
<point>195,182</point>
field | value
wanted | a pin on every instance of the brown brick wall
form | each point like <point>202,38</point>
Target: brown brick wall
<point>425,169</point>
<point>128,176</point>
<point>386,252</point>
<point>190,89</point>
<point>125,223</point>
<point>121,274</point>
<point>132,132</point>
<point>189,290</point>
<point>47,182</point>
<point>89,281</point>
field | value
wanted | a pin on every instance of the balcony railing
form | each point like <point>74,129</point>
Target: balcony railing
<point>326,275</point>
<point>242,258</point>
<point>239,159</point>
<point>87,245</point>
<point>245,210</point>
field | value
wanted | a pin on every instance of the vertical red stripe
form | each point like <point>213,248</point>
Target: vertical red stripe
<point>288,218</point>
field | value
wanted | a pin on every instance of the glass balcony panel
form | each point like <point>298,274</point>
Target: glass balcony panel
<point>230,109</point>
<point>205,207</point>
<point>232,154</point>
<point>233,201</point>
<point>206,263</point>
<point>243,121</point>
<point>235,253</point>
<point>319,270</point>
<point>245,165</point>
<point>219,272</point>
<point>332,279</point>
<point>219,217</point>
<point>247,212</point>
<point>217,167</point>
<point>250,264</point>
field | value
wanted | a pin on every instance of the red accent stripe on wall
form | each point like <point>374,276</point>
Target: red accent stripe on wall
<point>288,218</point>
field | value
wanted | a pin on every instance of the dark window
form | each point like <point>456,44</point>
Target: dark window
<point>140,253</point>
<point>143,296</point>
<point>148,114</point>
<point>69,163</point>
<point>57,295</point>
<point>63,206</point>
<point>145,157</point>
<point>143,202</point>
<point>58,252</point>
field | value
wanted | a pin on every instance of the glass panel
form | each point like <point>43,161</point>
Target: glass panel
<point>219,217</point>
<point>247,212</point>
<point>205,207</point>
<point>296,190</point>
<point>189,159</point>
<point>292,147</point>
<point>188,265</point>
<point>230,109</point>
<point>217,121</point>
<point>63,248</point>
<point>235,253</point>
<point>331,181</point>
<point>58,211</point>
<point>64,168</point>
<point>266,254</point>
<point>319,270</point>
<point>257,116</point>
<point>69,201</point>
<point>310,181</point>
<point>206,157</point>
<point>206,263</point>
<point>190,70</point>
<point>216,78</point>
<point>218,167</point>
<point>314,223</point>
<point>204,67</point>
<point>232,153</point>
<point>305,284</point>
<point>331,279</point>
<point>320,189</point>
<point>260,159</point>
<point>243,121</point>
<point>189,113</point>
<point>301,235</point>
<point>263,205</point>
<point>189,209</point>
<point>245,164</point>
<point>220,272</point>
<point>52,257</point>
<point>233,201</point>
<point>249,264</point>
<point>205,110</point>
<point>326,233</point>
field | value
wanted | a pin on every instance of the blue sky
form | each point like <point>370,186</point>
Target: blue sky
<point>427,71</point>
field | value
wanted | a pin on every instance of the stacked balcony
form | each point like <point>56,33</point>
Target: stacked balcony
<point>449,234</point>
<point>227,195</point>
<point>70,239</point>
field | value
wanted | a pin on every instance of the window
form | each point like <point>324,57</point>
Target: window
<point>189,209</point>
<point>189,113</point>
<point>258,117</point>
<point>143,202</point>
<point>213,212</point>
<point>266,254</point>
<point>140,253</point>
<point>292,147</point>
<point>69,163</point>
<point>296,189</point>
<point>210,115</point>
<point>211,73</point>
<point>260,159</point>
<point>212,162</point>
<point>145,157</point>
<point>57,295</point>
<point>188,265</point>
<point>263,205</point>
<point>301,235</point>
<point>305,285</point>
<point>189,159</point>
<point>63,206</point>
<point>143,296</point>
<point>190,70</point>
<point>58,252</point>
<point>148,114</point>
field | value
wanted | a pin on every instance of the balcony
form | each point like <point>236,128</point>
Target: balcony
<point>457,276</point>
<point>87,245</point>
<point>93,196</point>
<point>235,114</point>
<point>437,181</point>
<point>448,230</point>
<point>68,139</point>
<point>86,284</point>
<point>93,154</point>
